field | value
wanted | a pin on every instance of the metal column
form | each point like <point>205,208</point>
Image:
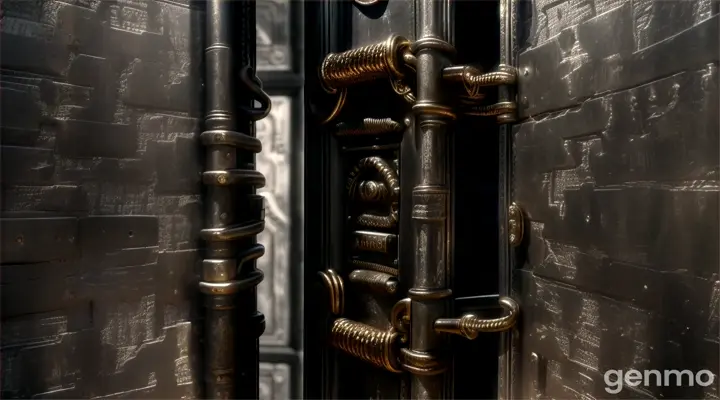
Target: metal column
<point>233,210</point>
<point>430,203</point>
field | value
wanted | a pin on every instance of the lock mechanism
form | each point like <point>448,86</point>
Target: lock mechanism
<point>394,60</point>
<point>387,349</point>
<point>421,73</point>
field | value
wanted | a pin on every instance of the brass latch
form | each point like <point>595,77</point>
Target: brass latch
<point>375,346</point>
<point>393,59</point>
<point>388,348</point>
<point>470,325</point>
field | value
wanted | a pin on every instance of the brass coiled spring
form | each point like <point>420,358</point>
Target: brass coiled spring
<point>375,346</point>
<point>369,126</point>
<point>364,64</point>
<point>388,59</point>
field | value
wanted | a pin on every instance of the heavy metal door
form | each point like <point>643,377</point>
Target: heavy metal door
<point>402,197</point>
<point>575,185</point>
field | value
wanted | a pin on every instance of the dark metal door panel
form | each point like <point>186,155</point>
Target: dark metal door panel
<point>102,206</point>
<point>352,198</point>
<point>405,186</point>
<point>616,168</point>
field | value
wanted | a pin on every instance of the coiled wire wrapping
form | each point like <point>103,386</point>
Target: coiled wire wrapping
<point>390,59</point>
<point>392,182</point>
<point>470,325</point>
<point>369,126</point>
<point>474,80</point>
<point>364,64</point>
<point>375,346</point>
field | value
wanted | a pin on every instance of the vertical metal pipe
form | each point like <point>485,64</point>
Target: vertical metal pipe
<point>229,235</point>
<point>430,203</point>
<point>508,46</point>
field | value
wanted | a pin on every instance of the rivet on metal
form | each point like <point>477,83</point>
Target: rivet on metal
<point>516,225</point>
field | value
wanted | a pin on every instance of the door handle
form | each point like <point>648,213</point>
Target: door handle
<point>469,325</point>
<point>385,348</point>
<point>378,347</point>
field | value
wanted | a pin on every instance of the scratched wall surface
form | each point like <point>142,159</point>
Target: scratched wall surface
<point>101,202</point>
<point>616,165</point>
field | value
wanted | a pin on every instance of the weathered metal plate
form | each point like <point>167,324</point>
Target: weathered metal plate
<point>617,169</point>
<point>100,201</point>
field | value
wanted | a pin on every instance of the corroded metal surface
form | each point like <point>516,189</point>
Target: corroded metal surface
<point>617,170</point>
